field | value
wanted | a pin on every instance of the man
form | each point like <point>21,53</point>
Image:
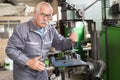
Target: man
<point>32,40</point>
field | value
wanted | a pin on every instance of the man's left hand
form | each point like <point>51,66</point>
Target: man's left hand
<point>73,37</point>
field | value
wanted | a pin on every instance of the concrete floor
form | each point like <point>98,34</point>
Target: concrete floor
<point>7,75</point>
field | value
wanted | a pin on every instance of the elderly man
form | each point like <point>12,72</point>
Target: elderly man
<point>32,40</point>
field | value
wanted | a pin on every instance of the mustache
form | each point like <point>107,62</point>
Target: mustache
<point>45,22</point>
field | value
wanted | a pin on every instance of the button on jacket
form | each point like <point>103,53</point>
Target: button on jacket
<point>27,42</point>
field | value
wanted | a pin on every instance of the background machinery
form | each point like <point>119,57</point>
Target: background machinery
<point>86,30</point>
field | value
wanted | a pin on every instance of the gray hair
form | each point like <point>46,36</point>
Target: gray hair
<point>43,3</point>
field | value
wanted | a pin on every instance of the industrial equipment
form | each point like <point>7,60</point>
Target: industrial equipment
<point>110,50</point>
<point>93,66</point>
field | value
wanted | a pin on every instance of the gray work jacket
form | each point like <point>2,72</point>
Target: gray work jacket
<point>26,42</point>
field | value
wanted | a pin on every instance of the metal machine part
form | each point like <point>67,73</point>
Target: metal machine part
<point>79,12</point>
<point>93,69</point>
<point>68,61</point>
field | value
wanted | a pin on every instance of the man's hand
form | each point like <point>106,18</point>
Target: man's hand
<point>36,64</point>
<point>73,37</point>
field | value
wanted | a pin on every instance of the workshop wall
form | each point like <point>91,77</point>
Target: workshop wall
<point>3,43</point>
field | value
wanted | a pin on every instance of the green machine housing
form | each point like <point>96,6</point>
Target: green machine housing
<point>110,51</point>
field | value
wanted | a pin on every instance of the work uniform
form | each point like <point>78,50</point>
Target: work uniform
<point>28,42</point>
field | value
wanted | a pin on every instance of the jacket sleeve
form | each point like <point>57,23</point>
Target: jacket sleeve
<point>15,46</point>
<point>60,42</point>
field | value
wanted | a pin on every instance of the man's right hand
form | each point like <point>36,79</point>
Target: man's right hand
<point>36,64</point>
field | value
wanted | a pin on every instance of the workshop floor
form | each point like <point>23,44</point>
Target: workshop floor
<point>7,75</point>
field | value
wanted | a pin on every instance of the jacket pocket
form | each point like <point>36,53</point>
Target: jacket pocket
<point>48,44</point>
<point>32,48</point>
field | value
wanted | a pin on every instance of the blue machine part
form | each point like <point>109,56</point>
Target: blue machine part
<point>68,61</point>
